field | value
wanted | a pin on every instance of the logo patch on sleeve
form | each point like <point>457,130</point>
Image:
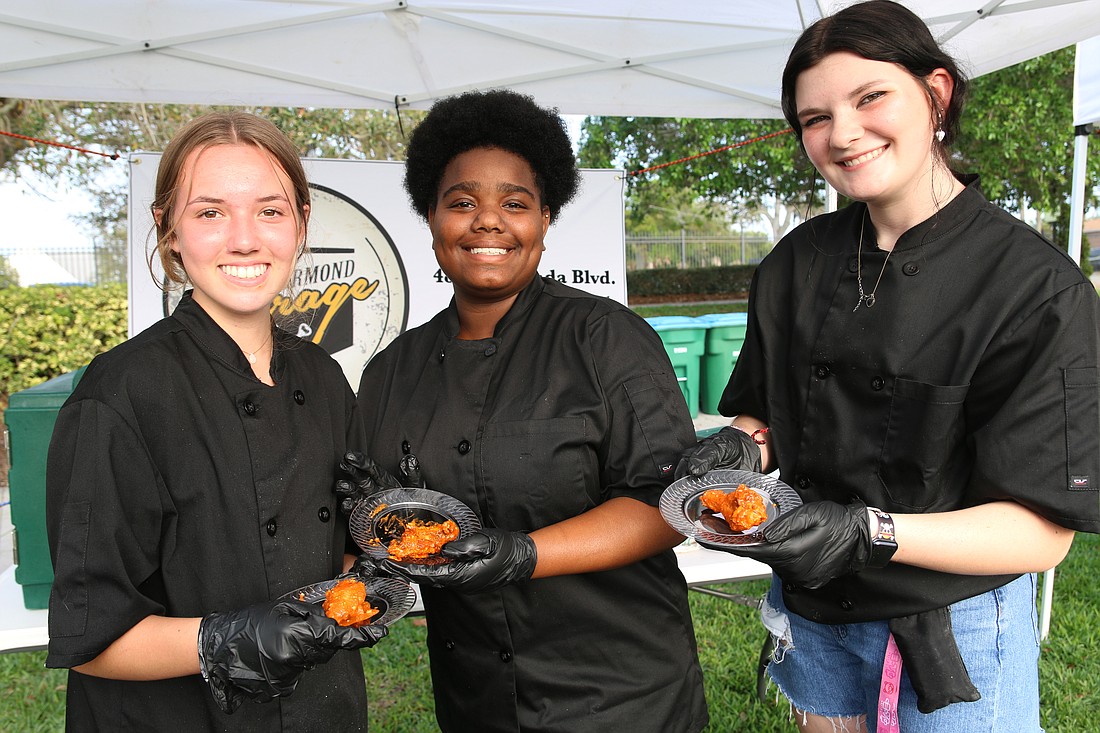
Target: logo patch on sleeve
<point>1079,483</point>
<point>665,469</point>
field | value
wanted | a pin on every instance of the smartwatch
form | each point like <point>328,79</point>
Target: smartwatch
<point>883,542</point>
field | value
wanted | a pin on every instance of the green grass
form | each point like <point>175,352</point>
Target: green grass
<point>729,643</point>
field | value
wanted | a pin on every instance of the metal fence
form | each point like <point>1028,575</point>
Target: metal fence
<point>72,266</point>
<point>686,250</point>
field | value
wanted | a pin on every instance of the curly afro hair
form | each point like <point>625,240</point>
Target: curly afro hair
<point>493,119</point>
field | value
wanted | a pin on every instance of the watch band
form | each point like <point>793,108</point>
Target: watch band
<point>883,542</point>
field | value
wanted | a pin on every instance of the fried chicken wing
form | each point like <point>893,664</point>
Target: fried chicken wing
<point>742,508</point>
<point>421,539</point>
<point>346,603</point>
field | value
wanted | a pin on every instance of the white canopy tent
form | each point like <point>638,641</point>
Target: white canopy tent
<point>699,58</point>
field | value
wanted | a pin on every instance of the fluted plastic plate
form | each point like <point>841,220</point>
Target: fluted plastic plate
<point>682,508</point>
<point>381,517</point>
<point>393,597</point>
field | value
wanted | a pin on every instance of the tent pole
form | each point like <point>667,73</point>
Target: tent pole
<point>1077,191</point>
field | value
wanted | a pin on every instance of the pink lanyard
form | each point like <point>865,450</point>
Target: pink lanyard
<point>888,689</point>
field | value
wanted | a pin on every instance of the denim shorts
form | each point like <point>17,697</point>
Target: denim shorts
<point>835,671</point>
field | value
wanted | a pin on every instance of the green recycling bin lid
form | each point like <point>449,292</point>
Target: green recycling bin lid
<point>674,323</point>
<point>717,320</point>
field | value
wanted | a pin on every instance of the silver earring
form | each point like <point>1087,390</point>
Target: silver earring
<point>940,135</point>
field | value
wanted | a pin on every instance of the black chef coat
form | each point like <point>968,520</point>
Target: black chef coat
<point>179,484</point>
<point>972,379</point>
<point>572,402</point>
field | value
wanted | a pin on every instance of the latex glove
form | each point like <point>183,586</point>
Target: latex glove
<point>484,560</point>
<point>409,472</point>
<point>728,448</point>
<point>259,653</point>
<point>813,544</point>
<point>358,477</point>
<point>366,566</point>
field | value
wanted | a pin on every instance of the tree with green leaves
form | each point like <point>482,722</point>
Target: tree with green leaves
<point>1017,132</point>
<point>763,176</point>
<point>110,129</point>
<point>8,275</point>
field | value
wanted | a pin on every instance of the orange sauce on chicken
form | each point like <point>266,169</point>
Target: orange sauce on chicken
<point>346,603</point>
<point>742,508</point>
<point>421,539</point>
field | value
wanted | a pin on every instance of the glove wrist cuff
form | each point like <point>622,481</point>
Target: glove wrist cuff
<point>204,668</point>
<point>531,557</point>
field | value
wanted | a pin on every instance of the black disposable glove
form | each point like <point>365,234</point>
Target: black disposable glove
<point>932,660</point>
<point>814,543</point>
<point>365,567</point>
<point>484,560</point>
<point>359,477</point>
<point>409,472</point>
<point>259,653</point>
<point>728,448</point>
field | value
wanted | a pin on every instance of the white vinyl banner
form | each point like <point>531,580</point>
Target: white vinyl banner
<point>1086,83</point>
<point>371,272</point>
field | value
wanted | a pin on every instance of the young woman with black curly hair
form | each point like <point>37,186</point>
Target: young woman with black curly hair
<point>555,415</point>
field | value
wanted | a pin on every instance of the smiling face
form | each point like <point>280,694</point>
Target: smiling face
<point>488,225</point>
<point>867,127</point>
<point>236,230</point>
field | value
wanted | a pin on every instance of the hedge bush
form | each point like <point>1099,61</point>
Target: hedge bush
<point>705,283</point>
<point>49,330</point>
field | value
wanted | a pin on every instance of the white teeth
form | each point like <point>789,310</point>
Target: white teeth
<point>863,158</point>
<point>244,273</point>
<point>488,251</point>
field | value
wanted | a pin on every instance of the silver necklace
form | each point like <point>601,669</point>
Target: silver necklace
<point>251,355</point>
<point>869,300</point>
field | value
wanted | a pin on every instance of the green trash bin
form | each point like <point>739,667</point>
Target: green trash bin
<point>30,418</point>
<point>682,337</point>
<point>724,337</point>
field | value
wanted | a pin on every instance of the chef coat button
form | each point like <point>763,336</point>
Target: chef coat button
<point>910,268</point>
<point>324,514</point>
<point>878,383</point>
<point>490,349</point>
<point>506,656</point>
<point>803,482</point>
<point>272,527</point>
<point>853,265</point>
<point>299,397</point>
<point>846,605</point>
<point>464,447</point>
<point>448,645</point>
<point>821,371</point>
<point>250,408</point>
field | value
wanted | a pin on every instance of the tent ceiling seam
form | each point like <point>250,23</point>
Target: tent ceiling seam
<point>118,46</point>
